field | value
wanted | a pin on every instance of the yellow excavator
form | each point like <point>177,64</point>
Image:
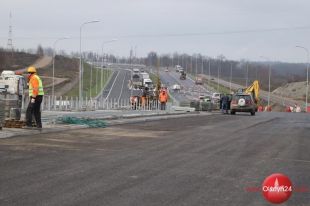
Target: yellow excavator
<point>253,89</point>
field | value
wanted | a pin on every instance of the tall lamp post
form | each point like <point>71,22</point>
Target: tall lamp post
<point>81,70</point>
<point>230,79</point>
<point>54,53</point>
<point>247,74</point>
<point>268,78</point>
<point>106,42</point>
<point>307,87</point>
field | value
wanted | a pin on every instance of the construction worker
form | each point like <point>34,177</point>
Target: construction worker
<point>224,104</point>
<point>163,99</point>
<point>36,96</point>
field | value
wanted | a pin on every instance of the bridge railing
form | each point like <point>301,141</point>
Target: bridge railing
<point>60,103</point>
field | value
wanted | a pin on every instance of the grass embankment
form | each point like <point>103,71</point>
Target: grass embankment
<point>92,84</point>
<point>222,89</point>
<point>213,84</point>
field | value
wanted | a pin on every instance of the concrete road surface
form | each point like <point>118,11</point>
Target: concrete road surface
<point>207,160</point>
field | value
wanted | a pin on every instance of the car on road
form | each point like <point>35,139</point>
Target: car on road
<point>136,71</point>
<point>242,103</point>
<point>205,98</point>
<point>176,87</point>
<point>216,97</point>
<point>177,68</point>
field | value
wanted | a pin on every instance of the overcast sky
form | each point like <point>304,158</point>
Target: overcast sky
<point>238,29</point>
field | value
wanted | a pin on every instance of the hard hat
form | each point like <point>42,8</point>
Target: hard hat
<point>31,70</point>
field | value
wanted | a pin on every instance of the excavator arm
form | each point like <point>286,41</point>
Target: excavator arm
<point>254,90</point>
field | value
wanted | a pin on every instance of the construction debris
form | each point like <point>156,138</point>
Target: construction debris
<point>11,123</point>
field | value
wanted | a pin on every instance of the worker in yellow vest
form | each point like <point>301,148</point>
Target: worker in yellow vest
<point>36,96</point>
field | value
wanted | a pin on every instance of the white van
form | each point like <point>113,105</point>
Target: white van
<point>177,68</point>
<point>145,75</point>
<point>147,83</point>
<point>136,71</point>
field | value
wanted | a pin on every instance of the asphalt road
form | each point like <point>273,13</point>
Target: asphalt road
<point>189,89</point>
<point>207,160</point>
<point>117,88</point>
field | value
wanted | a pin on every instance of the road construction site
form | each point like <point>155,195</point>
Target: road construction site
<point>206,160</point>
<point>114,149</point>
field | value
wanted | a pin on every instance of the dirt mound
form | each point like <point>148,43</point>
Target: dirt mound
<point>295,90</point>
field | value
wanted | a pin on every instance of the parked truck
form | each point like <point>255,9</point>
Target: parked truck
<point>136,82</point>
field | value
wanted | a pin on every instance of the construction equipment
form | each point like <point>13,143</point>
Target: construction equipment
<point>253,89</point>
<point>145,96</point>
<point>183,75</point>
<point>12,92</point>
<point>145,99</point>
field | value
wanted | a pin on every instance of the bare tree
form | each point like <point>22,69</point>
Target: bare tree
<point>40,51</point>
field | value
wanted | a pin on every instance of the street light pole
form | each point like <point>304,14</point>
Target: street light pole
<point>201,65</point>
<point>54,53</point>
<point>209,71</point>
<point>192,65</point>
<point>307,87</point>
<point>247,74</point>
<point>268,79</point>
<point>196,66</point>
<point>218,76</point>
<point>91,77</point>
<point>231,65</point>
<point>80,70</point>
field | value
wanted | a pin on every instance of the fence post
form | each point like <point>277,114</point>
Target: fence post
<point>77,103</point>
<point>71,103</point>
<point>49,103</point>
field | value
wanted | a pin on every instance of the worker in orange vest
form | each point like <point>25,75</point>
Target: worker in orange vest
<point>36,96</point>
<point>163,99</point>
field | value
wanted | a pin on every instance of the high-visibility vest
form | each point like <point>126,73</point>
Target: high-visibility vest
<point>163,97</point>
<point>41,92</point>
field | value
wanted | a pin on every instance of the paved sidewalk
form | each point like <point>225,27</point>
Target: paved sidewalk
<point>112,117</point>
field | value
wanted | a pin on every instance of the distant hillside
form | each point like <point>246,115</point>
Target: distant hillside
<point>65,68</point>
<point>15,60</point>
<point>281,73</point>
<point>243,70</point>
<point>296,90</point>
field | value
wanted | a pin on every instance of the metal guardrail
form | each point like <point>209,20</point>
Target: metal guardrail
<point>91,104</point>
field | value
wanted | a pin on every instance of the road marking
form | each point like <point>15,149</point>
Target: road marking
<point>122,88</point>
<point>112,86</point>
